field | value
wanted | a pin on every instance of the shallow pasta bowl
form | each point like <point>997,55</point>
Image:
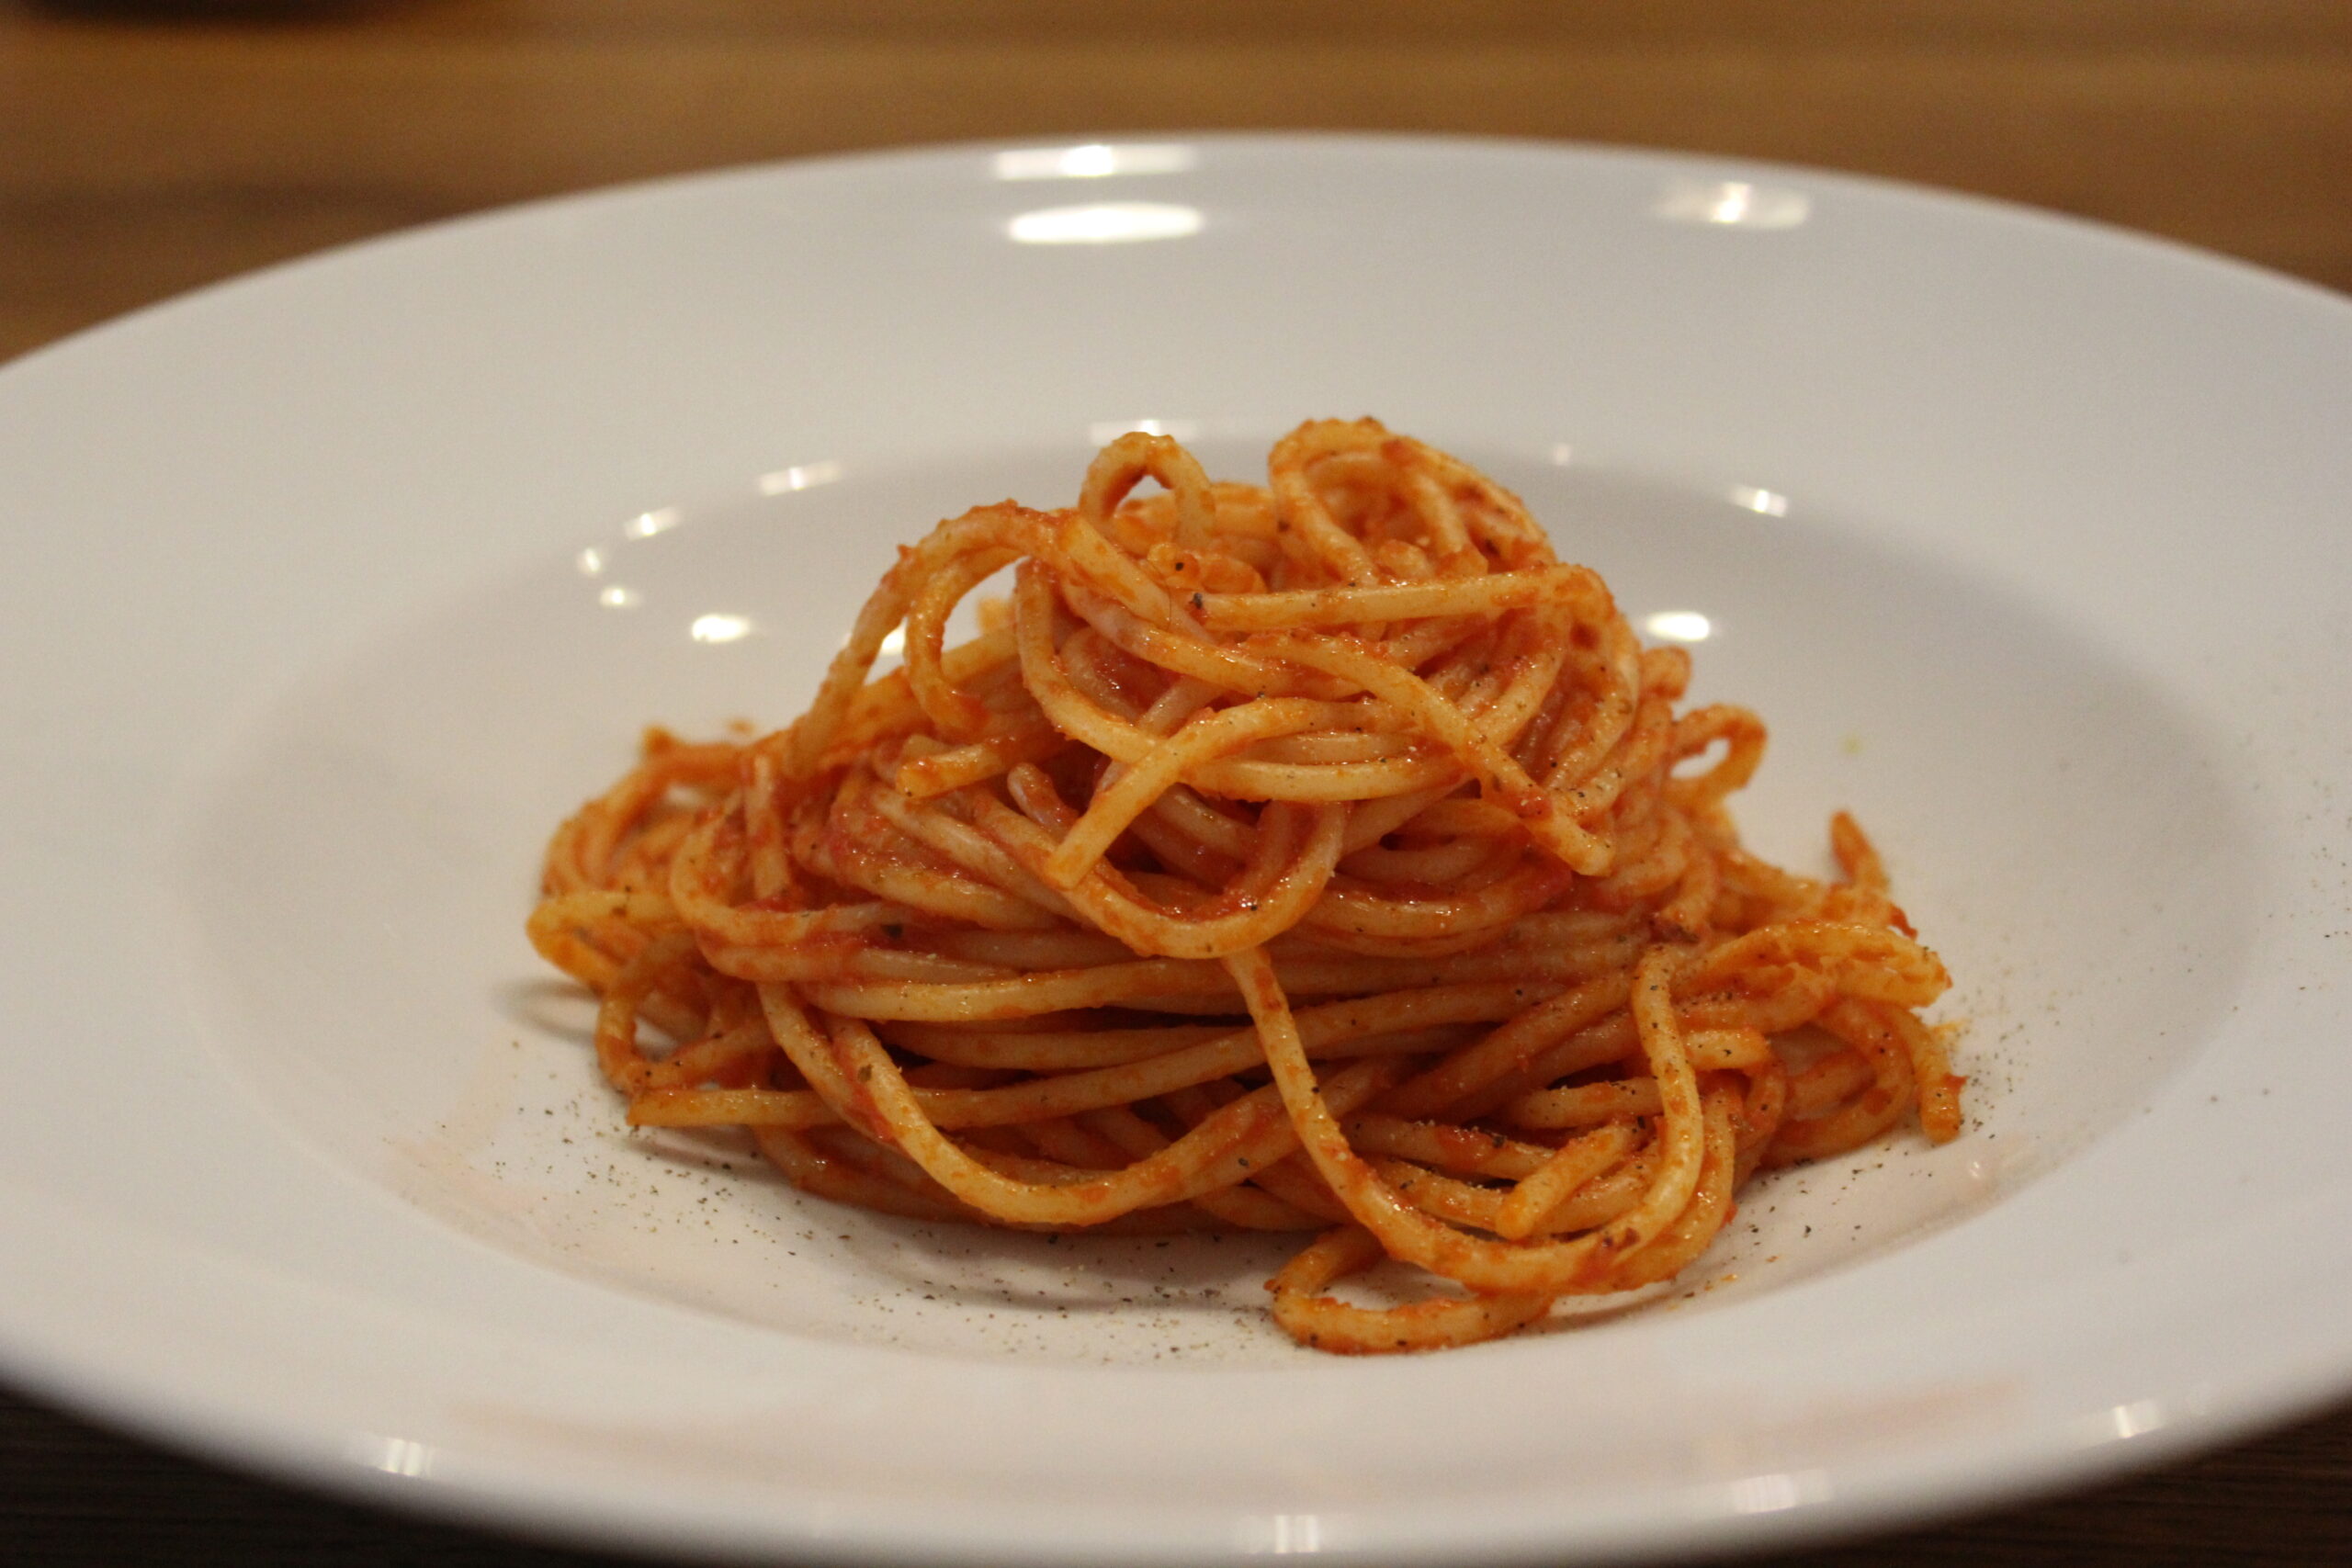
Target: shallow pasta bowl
<point>334,587</point>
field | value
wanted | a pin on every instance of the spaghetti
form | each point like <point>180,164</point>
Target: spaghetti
<point>1322,857</point>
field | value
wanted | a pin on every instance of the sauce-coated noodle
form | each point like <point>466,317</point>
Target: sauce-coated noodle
<point>1324,857</point>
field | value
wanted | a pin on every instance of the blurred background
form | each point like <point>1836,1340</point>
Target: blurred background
<point>148,148</point>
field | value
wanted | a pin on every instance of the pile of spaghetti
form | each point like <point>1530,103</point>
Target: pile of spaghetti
<point>1325,857</point>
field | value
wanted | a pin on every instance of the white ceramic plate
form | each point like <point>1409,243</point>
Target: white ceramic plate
<point>330,590</point>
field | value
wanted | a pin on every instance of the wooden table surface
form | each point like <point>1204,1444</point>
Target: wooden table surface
<point>148,148</point>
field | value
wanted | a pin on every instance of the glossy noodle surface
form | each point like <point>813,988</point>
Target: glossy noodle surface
<point>1323,856</point>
